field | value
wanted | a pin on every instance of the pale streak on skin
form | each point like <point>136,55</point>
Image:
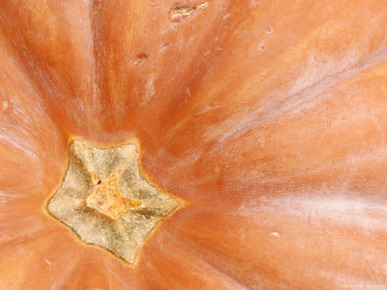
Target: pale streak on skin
<point>341,209</point>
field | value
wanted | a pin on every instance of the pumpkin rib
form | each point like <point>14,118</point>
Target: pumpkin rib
<point>29,166</point>
<point>308,92</point>
<point>278,122</point>
<point>298,98</point>
<point>150,73</point>
<point>260,77</point>
<point>23,73</point>
<point>196,268</point>
<point>47,62</point>
<point>294,114</point>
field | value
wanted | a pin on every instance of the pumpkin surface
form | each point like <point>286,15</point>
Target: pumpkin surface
<point>269,118</point>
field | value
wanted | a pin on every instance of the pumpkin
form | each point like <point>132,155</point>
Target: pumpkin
<point>267,118</point>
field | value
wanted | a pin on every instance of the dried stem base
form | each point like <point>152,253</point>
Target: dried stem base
<point>107,201</point>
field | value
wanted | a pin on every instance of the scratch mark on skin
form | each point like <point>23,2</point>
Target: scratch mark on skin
<point>275,234</point>
<point>226,16</point>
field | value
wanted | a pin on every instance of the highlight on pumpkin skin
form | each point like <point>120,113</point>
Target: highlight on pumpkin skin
<point>107,201</point>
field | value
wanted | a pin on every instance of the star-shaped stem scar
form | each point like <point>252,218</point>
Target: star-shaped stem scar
<point>107,200</point>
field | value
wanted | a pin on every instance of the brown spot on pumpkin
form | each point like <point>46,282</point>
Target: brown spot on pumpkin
<point>142,55</point>
<point>268,30</point>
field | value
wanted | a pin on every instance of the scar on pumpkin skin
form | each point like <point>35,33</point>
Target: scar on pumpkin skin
<point>107,200</point>
<point>178,13</point>
<point>4,106</point>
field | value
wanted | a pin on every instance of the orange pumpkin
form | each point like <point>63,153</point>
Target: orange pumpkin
<point>268,117</point>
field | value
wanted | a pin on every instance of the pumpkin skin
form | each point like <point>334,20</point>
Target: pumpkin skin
<point>268,117</point>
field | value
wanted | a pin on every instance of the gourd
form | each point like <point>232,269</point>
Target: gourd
<point>267,119</point>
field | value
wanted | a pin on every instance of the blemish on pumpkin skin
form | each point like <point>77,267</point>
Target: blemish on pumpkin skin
<point>268,29</point>
<point>4,106</point>
<point>262,46</point>
<point>142,55</point>
<point>178,13</point>
<point>140,58</point>
<point>226,16</point>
